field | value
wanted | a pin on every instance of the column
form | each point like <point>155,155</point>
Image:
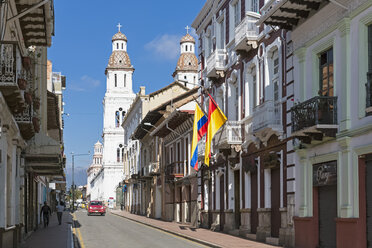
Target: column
<point>3,176</point>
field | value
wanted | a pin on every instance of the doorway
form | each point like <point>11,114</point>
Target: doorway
<point>254,202</point>
<point>237,198</point>
<point>327,198</point>
<point>275,202</point>
<point>222,202</point>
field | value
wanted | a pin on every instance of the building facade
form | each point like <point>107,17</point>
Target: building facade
<point>330,120</point>
<point>94,168</point>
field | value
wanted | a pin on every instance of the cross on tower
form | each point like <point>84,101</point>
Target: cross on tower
<point>187,28</point>
<point>119,26</point>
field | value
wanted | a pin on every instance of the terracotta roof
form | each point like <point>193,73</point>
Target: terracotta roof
<point>119,36</point>
<point>187,62</point>
<point>187,38</point>
<point>119,59</point>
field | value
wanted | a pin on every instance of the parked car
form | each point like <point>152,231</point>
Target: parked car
<point>96,207</point>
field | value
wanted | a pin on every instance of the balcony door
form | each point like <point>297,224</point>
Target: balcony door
<point>326,78</point>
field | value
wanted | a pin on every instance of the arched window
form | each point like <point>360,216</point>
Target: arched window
<point>122,45</point>
<point>116,80</point>
<point>122,154</point>
<point>117,119</point>
<point>186,48</point>
<point>117,45</point>
<point>122,115</point>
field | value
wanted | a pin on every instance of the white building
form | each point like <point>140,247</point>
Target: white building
<point>119,95</point>
<point>93,170</point>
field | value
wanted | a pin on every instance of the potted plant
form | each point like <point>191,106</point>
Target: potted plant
<point>36,123</point>
<point>36,103</point>
<point>22,83</point>
<point>271,161</point>
<point>26,62</point>
<point>28,98</point>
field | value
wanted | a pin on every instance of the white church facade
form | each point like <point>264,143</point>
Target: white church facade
<point>118,97</point>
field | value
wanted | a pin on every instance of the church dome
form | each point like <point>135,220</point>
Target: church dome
<point>187,62</point>
<point>187,38</point>
<point>119,59</point>
<point>119,36</point>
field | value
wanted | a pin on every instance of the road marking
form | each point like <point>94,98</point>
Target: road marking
<point>77,230</point>
<point>170,234</point>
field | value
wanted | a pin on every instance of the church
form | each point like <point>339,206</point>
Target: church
<point>118,98</point>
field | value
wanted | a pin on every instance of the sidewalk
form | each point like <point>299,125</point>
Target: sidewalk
<point>204,236</point>
<point>56,236</point>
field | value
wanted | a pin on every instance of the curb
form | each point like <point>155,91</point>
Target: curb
<point>206,243</point>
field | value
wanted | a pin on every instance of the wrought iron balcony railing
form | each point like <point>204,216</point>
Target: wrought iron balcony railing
<point>8,63</point>
<point>369,93</point>
<point>175,169</point>
<point>319,110</point>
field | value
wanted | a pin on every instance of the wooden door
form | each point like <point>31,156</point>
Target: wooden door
<point>237,198</point>
<point>180,204</point>
<point>327,196</point>
<point>254,202</point>
<point>275,202</point>
<point>369,199</point>
<point>222,202</point>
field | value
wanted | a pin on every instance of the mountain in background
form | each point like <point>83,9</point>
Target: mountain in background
<point>80,176</point>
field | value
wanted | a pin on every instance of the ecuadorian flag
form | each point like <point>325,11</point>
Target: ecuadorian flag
<point>216,119</point>
<point>200,128</point>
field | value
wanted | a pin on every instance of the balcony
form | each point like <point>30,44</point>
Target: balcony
<point>216,63</point>
<point>25,124</point>
<point>247,130</point>
<point>154,168</point>
<point>229,134</point>
<point>246,32</point>
<point>369,94</point>
<point>201,148</point>
<point>175,170</point>
<point>267,120</point>
<point>11,82</point>
<point>315,119</point>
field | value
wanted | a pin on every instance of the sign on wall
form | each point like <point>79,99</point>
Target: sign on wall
<point>325,174</point>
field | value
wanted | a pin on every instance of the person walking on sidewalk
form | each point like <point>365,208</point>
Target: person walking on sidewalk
<point>60,209</point>
<point>45,210</point>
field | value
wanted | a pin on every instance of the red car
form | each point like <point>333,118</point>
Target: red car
<point>96,207</point>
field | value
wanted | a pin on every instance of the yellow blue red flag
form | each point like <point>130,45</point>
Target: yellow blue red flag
<point>199,129</point>
<point>216,119</point>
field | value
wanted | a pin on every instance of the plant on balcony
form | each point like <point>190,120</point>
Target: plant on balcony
<point>271,160</point>
<point>26,62</point>
<point>28,98</point>
<point>36,123</point>
<point>22,83</point>
<point>36,103</point>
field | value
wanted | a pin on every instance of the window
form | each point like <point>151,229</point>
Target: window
<point>118,155</point>
<point>122,154</point>
<point>123,115</point>
<point>222,35</point>
<point>326,73</point>
<point>254,89</point>
<point>117,119</point>
<point>369,73</point>
<point>117,45</point>
<point>186,48</point>
<point>237,102</point>
<point>275,80</point>
<point>125,80</point>
<point>116,80</point>
<point>122,45</point>
<point>236,13</point>
<point>254,6</point>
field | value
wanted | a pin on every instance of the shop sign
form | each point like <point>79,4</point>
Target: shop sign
<point>325,174</point>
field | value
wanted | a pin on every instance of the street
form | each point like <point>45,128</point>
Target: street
<point>114,231</point>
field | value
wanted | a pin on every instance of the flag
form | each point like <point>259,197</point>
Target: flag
<point>215,121</point>
<point>199,129</point>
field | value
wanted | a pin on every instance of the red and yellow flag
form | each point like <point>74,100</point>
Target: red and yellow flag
<point>216,119</point>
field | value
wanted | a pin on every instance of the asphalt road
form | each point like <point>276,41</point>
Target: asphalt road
<point>112,231</point>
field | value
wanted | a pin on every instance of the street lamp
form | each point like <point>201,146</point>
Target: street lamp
<point>73,183</point>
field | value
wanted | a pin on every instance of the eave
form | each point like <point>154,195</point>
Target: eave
<point>288,14</point>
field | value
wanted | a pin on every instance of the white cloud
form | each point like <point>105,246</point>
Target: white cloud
<point>90,81</point>
<point>166,46</point>
<point>85,83</point>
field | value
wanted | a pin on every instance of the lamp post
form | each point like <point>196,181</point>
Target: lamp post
<point>73,171</point>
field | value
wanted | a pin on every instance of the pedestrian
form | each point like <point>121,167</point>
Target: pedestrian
<point>45,210</point>
<point>60,209</point>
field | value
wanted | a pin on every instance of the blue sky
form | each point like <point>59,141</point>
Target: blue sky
<point>82,45</point>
